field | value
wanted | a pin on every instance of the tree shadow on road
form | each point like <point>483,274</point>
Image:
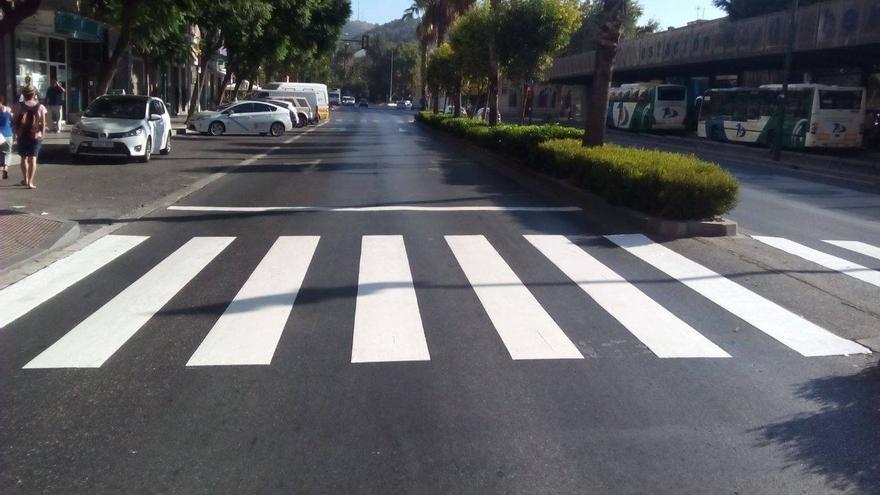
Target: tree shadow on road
<point>841,440</point>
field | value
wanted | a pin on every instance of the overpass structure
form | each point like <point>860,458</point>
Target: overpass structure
<point>832,38</point>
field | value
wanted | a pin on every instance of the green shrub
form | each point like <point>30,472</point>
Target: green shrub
<point>667,185</point>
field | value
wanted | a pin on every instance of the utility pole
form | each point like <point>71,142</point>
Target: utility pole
<point>391,80</point>
<point>786,74</point>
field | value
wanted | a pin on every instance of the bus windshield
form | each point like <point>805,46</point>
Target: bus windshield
<point>840,100</point>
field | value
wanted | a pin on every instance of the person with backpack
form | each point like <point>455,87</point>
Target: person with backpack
<point>5,137</point>
<point>30,125</point>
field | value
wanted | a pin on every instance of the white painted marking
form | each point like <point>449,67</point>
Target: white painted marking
<point>665,334</point>
<point>20,298</point>
<point>858,247</point>
<point>788,328</point>
<point>249,330</point>
<point>330,209</point>
<point>841,265</point>
<point>100,335</point>
<point>387,324</point>
<point>524,326</point>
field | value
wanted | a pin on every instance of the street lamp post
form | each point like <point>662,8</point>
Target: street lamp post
<point>786,74</point>
<point>391,79</point>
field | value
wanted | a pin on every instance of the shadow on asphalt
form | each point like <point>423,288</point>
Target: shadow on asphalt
<point>841,440</point>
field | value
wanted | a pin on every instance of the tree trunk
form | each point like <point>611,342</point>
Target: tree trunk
<point>435,103</point>
<point>494,74</point>
<point>238,82</point>
<point>196,94</point>
<point>606,49</point>
<point>108,68</point>
<point>226,78</point>
<point>525,102</point>
<point>423,70</point>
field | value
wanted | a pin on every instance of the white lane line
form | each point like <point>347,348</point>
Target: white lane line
<point>387,323</point>
<point>28,293</point>
<point>100,335</point>
<point>524,326</point>
<point>788,328</point>
<point>841,265</point>
<point>268,209</point>
<point>664,333</point>
<point>249,330</point>
<point>858,247</point>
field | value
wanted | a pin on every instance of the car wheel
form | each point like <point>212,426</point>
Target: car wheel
<point>167,149</point>
<point>276,129</point>
<point>148,151</point>
<point>216,128</point>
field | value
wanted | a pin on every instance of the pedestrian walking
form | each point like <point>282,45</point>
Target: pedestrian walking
<point>30,125</point>
<point>55,104</point>
<point>28,85</point>
<point>5,137</point>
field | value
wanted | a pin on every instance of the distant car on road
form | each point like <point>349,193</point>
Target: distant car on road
<point>244,117</point>
<point>348,101</point>
<point>123,125</point>
<point>404,105</point>
<point>364,103</point>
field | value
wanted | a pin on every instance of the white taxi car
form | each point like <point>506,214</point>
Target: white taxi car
<point>243,117</point>
<point>124,126</point>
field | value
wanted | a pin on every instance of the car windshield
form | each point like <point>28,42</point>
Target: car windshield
<point>118,107</point>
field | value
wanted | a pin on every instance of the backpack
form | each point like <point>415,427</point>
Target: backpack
<point>27,124</point>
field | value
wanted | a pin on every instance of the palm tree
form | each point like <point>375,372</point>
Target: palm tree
<point>426,35</point>
<point>610,28</point>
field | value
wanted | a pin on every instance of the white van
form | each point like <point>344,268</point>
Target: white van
<point>320,91</point>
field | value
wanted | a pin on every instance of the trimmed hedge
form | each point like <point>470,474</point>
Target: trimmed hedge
<point>662,184</point>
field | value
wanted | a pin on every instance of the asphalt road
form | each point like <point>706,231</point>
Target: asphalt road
<point>431,347</point>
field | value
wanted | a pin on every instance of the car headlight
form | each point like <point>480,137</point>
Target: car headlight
<point>76,131</point>
<point>134,132</point>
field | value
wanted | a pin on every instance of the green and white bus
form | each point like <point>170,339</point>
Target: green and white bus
<point>816,116</point>
<point>647,107</point>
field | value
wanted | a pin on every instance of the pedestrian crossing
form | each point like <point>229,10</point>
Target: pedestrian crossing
<point>388,324</point>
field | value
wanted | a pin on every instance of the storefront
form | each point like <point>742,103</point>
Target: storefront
<point>62,46</point>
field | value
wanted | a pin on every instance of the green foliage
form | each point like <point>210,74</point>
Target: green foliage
<point>470,38</point>
<point>584,38</point>
<point>528,33</point>
<point>741,9</point>
<point>667,185</point>
<point>444,70</point>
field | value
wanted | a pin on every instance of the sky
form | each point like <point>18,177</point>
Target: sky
<point>668,12</point>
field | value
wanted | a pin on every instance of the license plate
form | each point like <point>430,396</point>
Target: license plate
<point>102,144</point>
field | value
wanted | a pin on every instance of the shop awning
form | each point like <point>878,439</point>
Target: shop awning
<point>78,27</point>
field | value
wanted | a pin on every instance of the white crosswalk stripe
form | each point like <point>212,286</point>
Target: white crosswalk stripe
<point>858,247</point>
<point>661,331</point>
<point>20,298</point>
<point>388,326</point>
<point>387,323</point>
<point>526,329</point>
<point>100,335</point>
<point>788,328</point>
<point>250,328</point>
<point>824,259</point>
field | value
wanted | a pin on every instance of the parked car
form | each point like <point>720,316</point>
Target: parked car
<point>307,113</point>
<point>291,107</point>
<point>244,117</point>
<point>404,105</point>
<point>348,101</point>
<point>363,103</point>
<point>123,125</point>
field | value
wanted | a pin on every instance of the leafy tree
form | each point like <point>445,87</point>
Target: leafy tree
<point>584,38</point>
<point>741,9</point>
<point>471,38</point>
<point>494,68</point>
<point>141,23</point>
<point>530,32</point>
<point>15,12</point>
<point>444,73</point>
<point>607,40</point>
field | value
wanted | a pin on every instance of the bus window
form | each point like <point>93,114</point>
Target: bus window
<point>670,94</point>
<point>840,100</point>
<point>799,103</point>
<point>724,105</point>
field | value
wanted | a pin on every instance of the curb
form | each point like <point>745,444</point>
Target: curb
<point>66,234</point>
<point>514,169</point>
